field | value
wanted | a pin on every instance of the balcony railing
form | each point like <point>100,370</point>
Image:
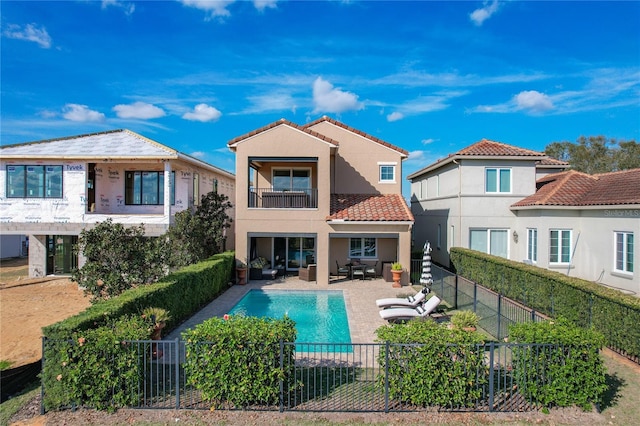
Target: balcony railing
<point>269,198</point>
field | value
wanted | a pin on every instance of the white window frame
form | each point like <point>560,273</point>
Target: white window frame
<point>532,244</point>
<point>362,245</point>
<point>627,257</point>
<point>489,232</point>
<point>382,165</point>
<point>498,171</point>
<point>558,254</point>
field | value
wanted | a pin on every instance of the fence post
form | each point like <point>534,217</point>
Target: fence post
<point>282,376</point>
<point>386,377</point>
<point>491,378</point>
<point>177,371</point>
<point>455,295</point>
<point>475,296</point>
<point>499,316</point>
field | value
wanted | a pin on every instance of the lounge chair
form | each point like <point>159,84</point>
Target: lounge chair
<point>403,302</point>
<point>404,314</point>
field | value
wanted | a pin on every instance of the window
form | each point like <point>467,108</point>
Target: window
<point>387,173</point>
<point>363,248</point>
<point>34,181</point>
<point>624,252</point>
<point>498,180</point>
<point>492,241</point>
<point>147,188</point>
<point>291,179</point>
<point>532,245</point>
<point>560,246</point>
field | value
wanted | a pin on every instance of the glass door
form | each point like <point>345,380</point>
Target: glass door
<point>300,252</point>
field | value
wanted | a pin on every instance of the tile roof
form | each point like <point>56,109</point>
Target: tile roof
<point>548,161</point>
<point>486,147</point>
<point>281,122</point>
<point>572,188</point>
<point>358,132</point>
<point>370,208</point>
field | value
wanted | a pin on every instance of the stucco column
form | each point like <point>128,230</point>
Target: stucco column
<point>322,259</point>
<point>167,193</point>
<point>404,255</point>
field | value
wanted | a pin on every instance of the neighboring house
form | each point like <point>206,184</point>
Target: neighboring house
<point>524,206</point>
<point>13,246</point>
<point>51,190</point>
<point>323,194</point>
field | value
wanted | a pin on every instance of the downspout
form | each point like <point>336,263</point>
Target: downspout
<point>459,201</point>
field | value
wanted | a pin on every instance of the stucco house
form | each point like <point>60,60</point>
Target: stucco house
<point>52,189</point>
<point>323,194</point>
<point>524,206</point>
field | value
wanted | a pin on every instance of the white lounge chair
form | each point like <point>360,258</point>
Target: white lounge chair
<point>404,314</point>
<point>403,302</point>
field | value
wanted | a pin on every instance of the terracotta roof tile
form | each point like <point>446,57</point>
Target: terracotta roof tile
<point>548,161</point>
<point>572,188</point>
<point>486,147</point>
<point>358,132</point>
<point>369,207</point>
<point>280,122</point>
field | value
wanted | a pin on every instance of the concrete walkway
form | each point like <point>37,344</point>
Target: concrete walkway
<point>360,299</point>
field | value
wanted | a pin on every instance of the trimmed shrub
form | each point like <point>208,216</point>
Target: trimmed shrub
<point>236,362</point>
<point>568,363</point>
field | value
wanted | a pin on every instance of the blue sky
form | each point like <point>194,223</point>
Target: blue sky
<point>430,77</point>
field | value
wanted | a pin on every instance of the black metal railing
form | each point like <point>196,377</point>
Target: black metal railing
<point>269,198</point>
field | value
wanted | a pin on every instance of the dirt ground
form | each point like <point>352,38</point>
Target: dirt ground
<point>27,305</point>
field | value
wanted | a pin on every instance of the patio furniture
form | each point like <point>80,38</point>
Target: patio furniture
<point>308,273</point>
<point>356,270</point>
<point>405,302</point>
<point>341,270</point>
<point>371,271</point>
<point>405,314</point>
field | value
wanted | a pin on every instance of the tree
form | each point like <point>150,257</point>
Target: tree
<point>117,258</point>
<point>596,154</point>
<point>195,236</point>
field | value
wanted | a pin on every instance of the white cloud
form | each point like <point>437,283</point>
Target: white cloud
<point>427,141</point>
<point>30,32</point>
<point>128,8</point>
<point>81,113</point>
<point>533,101</point>
<point>203,112</point>
<point>261,5</point>
<point>395,116</point>
<point>271,102</point>
<point>140,110</point>
<point>220,8</point>
<point>478,16</point>
<point>199,154</point>
<point>328,99</point>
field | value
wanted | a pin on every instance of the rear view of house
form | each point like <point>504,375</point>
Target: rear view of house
<point>322,194</point>
<point>51,190</point>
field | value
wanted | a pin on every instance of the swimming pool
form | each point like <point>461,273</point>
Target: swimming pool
<point>320,316</point>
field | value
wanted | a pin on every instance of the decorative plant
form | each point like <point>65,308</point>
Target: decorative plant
<point>465,319</point>
<point>396,266</point>
<point>240,264</point>
<point>156,316</point>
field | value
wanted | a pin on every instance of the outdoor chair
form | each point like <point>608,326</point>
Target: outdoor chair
<point>404,302</point>
<point>371,271</point>
<point>405,314</point>
<point>342,270</point>
<point>308,273</point>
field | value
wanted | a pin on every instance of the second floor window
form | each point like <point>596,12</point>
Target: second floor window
<point>34,181</point>
<point>532,245</point>
<point>387,173</point>
<point>291,179</point>
<point>363,248</point>
<point>624,252</point>
<point>560,246</point>
<point>498,180</point>
<point>146,188</point>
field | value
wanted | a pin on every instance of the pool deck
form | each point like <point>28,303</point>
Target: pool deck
<point>360,299</point>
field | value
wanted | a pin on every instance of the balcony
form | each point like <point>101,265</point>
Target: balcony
<point>268,198</point>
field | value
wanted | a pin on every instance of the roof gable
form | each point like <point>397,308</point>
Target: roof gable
<point>281,122</point>
<point>489,148</point>
<point>369,208</point>
<point>572,188</point>
<point>110,144</point>
<point>357,132</point>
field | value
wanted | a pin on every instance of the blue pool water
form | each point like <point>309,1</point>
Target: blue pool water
<point>320,316</point>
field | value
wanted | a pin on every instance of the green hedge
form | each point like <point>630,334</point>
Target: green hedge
<point>584,303</point>
<point>236,362</point>
<point>569,361</point>
<point>182,293</point>
<point>432,365</point>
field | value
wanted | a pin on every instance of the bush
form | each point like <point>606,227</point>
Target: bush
<point>431,365</point>
<point>237,361</point>
<point>569,362</point>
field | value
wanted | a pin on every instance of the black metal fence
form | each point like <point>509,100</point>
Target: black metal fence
<point>496,312</point>
<point>345,377</point>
